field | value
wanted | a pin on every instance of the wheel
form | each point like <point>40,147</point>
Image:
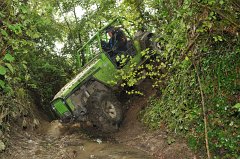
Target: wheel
<point>104,111</point>
<point>156,45</point>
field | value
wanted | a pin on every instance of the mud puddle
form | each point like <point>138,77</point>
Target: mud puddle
<point>55,141</point>
<point>133,141</point>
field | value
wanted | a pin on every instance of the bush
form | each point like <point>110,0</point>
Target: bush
<point>179,107</point>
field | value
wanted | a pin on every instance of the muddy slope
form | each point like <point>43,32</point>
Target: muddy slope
<point>157,143</point>
<point>52,140</point>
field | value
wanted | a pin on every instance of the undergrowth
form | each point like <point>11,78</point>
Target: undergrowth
<point>179,106</point>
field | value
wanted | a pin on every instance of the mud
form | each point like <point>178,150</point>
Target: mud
<point>57,141</point>
<point>158,143</point>
<point>53,140</point>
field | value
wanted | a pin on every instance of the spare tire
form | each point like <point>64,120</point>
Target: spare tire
<point>156,45</point>
<point>104,111</point>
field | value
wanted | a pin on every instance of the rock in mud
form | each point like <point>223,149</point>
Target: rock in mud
<point>2,146</point>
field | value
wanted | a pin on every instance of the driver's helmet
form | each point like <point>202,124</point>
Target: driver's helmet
<point>109,29</point>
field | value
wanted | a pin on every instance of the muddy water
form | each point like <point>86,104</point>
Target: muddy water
<point>109,151</point>
<point>76,145</point>
<point>55,141</point>
<point>133,141</point>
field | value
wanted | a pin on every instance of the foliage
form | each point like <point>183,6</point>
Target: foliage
<point>28,67</point>
<point>202,37</point>
<point>195,36</point>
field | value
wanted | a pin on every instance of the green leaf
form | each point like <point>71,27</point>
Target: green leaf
<point>24,9</point>
<point>2,83</point>
<point>3,70</point>
<point>16,28</point>
<point>2,15</point>
<point>24,66</point>
<point>9,58</point>
<point>117,58</point>
<point>8,89</point>
<point>3,32</point>
<point>9,66</point>
<point>32,86</point>
<point>237,106</point>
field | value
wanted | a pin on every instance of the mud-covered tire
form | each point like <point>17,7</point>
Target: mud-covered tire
<point>104,111</point>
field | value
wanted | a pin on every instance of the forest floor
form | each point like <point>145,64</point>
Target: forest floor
<point>53,140</point>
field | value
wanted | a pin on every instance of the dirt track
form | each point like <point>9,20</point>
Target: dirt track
<point>134,134</point>
<point>133,141</point>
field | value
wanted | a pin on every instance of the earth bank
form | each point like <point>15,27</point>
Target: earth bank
<point>53,140</point>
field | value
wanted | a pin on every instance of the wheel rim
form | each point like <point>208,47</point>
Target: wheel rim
<point>110,110</point>
<point>158,46</point>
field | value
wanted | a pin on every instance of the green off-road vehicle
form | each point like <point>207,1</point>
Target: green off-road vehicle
<point>89,97</point>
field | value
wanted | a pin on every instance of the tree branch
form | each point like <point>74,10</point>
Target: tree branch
<point>225,16</point>
<point>79,37</point>
<point>204,112</point>
<point>68,25</point>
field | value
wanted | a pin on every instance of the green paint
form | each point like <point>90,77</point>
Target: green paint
<point>107,71</point>
<point>70,104</point>
<point>100,67</point>
<point>60,107</point>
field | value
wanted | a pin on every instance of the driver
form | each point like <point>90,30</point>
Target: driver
<point>117,42</point>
